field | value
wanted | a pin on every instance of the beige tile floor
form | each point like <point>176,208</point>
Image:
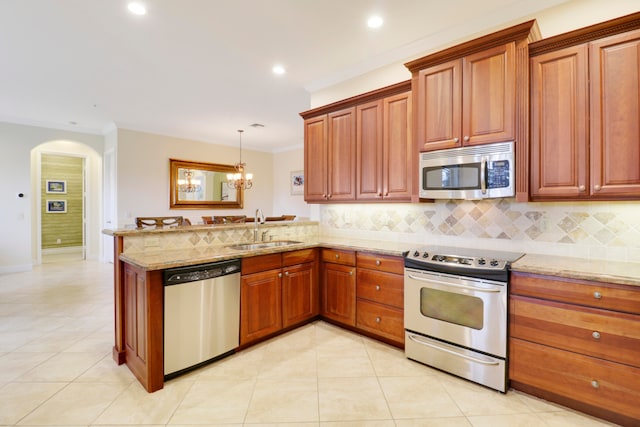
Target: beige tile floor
<point>56,335</point>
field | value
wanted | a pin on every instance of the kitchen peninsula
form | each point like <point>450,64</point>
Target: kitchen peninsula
<point>141,256</point>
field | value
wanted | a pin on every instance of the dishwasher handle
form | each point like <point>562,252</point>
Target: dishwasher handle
<point>178,275</point>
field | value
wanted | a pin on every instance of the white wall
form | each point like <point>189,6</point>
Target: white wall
<point>143,175</point>
<point>16,219</point>
<point>284,203</point>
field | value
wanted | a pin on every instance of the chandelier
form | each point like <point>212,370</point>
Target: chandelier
<point>189,185</point>
<point>240,179</point>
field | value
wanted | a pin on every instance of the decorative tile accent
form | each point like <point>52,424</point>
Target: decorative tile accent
<point>216,236</point>
<point>602,229</point>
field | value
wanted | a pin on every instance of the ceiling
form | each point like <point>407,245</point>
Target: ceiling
<point>201,69</point>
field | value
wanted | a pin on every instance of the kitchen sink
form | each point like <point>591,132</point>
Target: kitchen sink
<point>262,245</point>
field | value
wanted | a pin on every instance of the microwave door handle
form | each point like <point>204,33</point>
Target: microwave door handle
<point>483,175</point>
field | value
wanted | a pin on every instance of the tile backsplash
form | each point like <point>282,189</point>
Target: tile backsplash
<point>597,230</point>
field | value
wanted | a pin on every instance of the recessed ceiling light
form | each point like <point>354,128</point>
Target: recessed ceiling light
<point>278,69</point>
<point>375,22</point>
<point>137,8</point>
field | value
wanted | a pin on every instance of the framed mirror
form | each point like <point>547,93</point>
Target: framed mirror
<point>196,185</point>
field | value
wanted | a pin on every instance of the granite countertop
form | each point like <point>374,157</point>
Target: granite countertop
<point>162,259</point>
<point>624,273</point>
<point>197,227</point>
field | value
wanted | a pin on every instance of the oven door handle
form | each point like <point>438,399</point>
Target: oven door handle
<point>472,288</point>
<point>415,338</point>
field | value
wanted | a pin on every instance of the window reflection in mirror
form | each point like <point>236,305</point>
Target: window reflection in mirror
<point>197,185</point>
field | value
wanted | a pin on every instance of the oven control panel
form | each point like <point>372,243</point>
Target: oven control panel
<point>461,261</point>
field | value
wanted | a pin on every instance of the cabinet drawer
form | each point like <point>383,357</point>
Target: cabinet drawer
<point>583,292</point>
<point>258,263</point>
<point>337,256</point>
<point>593,332</point>
<point>381,320</point>
<point>390,264</point>
<point>607,385</point>
<point>385,288</point>
<point>298,257</point>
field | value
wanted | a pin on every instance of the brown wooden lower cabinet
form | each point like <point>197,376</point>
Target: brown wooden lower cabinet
<point>339,293</point>
<point>380,319</point>
<point>277,291</point>
<point>596,386</point>
<point>143,317</point>
<point>577,342</point>
<point>260,305</point>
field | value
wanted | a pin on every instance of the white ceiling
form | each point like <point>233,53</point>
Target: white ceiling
<point>201,69</point>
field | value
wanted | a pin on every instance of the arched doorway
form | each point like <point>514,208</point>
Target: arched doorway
<point>52,201</point>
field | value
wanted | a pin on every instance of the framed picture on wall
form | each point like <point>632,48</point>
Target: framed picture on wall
<point>297,182</point>
<point>56,206</point>
<point>56,186</point>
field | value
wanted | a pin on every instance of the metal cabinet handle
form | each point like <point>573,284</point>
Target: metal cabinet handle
<point>595,384</point>
<point>582,188</point>
<point>351,273</point>
<point>597,187</point>
<point>378,320</point>
<point>456,140</point>
<point>378,262</point>
<point>286,273</point>
<point>466,138</point>
<point>597,295</point>
<point>596,335</point>
<point>377,287</point>
<point>279,274</point>
<point>337,256</point>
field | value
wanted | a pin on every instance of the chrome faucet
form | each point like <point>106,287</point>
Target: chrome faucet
<point>257,220</point>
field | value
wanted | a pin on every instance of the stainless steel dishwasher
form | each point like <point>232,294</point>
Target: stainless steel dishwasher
<point>201,314</point>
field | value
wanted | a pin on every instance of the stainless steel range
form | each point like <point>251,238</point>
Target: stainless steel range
<point>455,311</point>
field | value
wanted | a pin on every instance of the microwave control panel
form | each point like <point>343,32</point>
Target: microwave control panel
<point>498,174</point>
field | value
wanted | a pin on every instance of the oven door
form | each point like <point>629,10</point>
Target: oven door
<point>467,312</point>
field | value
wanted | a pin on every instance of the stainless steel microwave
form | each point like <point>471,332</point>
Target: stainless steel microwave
<point>476,172</point>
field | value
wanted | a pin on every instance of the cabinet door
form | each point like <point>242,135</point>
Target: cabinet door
<point>439,106</point>
<point>369,151</point>
<point>559,111</point>
<point>397,158</point>
<point>260,305</point>
<point>339,293</point>
<point>615,112</point>
<point>315,158</point>
<point>489,95</point>
<point>300,296</point>
<point>341,156</point>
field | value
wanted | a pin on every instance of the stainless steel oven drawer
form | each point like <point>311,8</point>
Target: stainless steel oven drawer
<point>474,366</point>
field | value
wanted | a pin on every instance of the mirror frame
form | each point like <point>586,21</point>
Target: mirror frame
<point>175,203</point>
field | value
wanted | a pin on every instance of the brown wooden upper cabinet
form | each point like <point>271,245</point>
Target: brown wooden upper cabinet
<point>383,149</point>
<point>585,109</point>
<point>467,101</point>
<point>330,156</point>
<point>360,148</point>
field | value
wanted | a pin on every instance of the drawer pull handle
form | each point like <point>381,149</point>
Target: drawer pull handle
<point>596,335</point>
<point>377,287</point>
<point>378,320</point>
<point>351,273</point>
<point>378,262</point>
<point>595,384</point>
<point>597,295</point>
<point>279,274</point>
<point>337,256</point>
<point>286,273</point>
